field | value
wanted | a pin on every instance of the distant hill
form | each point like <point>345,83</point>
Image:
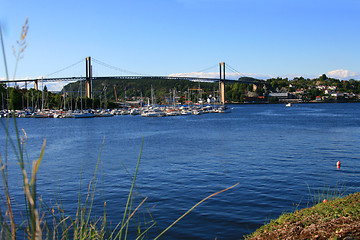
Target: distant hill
<point>249,79</point>
<point>141,87</point>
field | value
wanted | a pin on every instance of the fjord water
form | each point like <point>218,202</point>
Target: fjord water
<point>281,156</point>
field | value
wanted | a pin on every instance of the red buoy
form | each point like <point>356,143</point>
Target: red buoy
<point>338,164</point>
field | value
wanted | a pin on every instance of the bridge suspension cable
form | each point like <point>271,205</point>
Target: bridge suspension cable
<point>116,68</point>
<point>65,68</point>
<point>200,71</point>
<point>233,70</point>
<point>204,70</point>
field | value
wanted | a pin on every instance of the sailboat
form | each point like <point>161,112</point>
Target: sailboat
<point>223,109</point>
<point>41,113</point>
<point>152,111</point>
<point>82,113</point>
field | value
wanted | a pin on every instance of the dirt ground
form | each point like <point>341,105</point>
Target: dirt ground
<point>339,228</point>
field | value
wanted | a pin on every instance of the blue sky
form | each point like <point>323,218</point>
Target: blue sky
<point>258,38</point>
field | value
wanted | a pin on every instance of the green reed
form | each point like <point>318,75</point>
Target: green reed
<point>328,193</point>
<point>32,223</point>
<point>36,222</point>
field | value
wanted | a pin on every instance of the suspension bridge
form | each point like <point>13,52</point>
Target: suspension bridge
<point>89,78</point>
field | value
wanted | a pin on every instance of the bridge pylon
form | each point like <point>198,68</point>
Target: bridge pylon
<point>88,78</point>
<point>222,83</point>
<point>36,85</point>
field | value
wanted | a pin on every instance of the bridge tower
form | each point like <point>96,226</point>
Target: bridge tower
<point>36,84</point>
<point>88,78</point>
<point>222,83</point>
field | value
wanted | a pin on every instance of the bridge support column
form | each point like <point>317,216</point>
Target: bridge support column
<point>255,87</point>
<point>88,78</point>
<point>222,83</point>
<point>36,85</point>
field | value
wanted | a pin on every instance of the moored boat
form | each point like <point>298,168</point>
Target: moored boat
<point>83,115</point>
<point>153,113</point>
<point>223,109</point>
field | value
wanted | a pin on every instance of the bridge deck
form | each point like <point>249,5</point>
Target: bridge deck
<point>69,79</point>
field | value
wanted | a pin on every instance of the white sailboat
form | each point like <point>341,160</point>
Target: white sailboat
<point>82,113</point>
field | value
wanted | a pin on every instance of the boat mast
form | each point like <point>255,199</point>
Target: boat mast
<point>152,95</point>
<point>174,97</point>
<point>64,99</point>
<point>81,96</point>
<point>42,95</point>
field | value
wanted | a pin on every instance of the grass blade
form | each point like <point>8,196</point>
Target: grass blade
<point>177,220</point>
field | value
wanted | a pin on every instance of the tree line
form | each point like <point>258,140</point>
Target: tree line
<point>304,88</point>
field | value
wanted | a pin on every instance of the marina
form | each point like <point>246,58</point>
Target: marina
<point>147,111</point>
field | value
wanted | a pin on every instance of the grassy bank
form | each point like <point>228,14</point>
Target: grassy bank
<point>336,219</point>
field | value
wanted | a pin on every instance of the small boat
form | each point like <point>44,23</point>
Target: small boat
<point>78,114</point>
<point>83,115</point>
<point>288,105</point>
<point>125,112</point>
<point>208,109</point>
<point>134,111</point>
<point>186,112</point>
<point>196,111</point>
<point>223,109</point>
<point>173,113</point>
<point>103,113</point>
<point>41,115</point>
<point>152,112</point>
<point>58,114</point>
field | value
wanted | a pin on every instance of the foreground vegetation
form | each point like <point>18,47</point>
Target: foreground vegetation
<point>336,219</point>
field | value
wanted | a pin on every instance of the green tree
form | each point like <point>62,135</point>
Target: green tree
<point>2,96</point>
<point>311,94</point>
<point>15,101</point>
<point>323,77</point>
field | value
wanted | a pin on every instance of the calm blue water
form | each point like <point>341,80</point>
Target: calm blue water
<point>280,156</point>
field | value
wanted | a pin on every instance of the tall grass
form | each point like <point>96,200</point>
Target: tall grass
<point>327,193</point>
<point>32,222</point>
<point>52,222</point>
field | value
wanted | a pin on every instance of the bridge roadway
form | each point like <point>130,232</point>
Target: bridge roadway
<point>70,79</point>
